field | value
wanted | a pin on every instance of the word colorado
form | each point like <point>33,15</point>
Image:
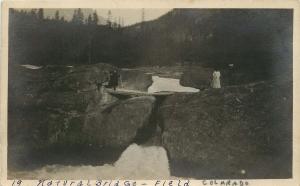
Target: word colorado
<point>225,183</point>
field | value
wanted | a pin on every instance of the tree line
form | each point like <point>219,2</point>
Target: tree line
<point>35,39</point>
<point>257,41</point>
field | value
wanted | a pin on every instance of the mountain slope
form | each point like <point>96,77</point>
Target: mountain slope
<point>257,40</point>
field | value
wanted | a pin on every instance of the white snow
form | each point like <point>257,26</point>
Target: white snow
<point>136,162</point>
<point>33,67</point>
<point>168,84</point>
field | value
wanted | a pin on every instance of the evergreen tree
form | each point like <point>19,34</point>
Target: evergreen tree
<point>40,14</point>
<point>56,17</point>
<point>119,23</point>
<point>108,22</point>
<point>89,19</point>
<point>74,18</point>
<point>33,13</point>
<point>78,16</point>
<point>95,18</point>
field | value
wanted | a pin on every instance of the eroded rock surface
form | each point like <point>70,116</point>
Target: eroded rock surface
<point>117,125</point>
<point>239,131</point>
<point>197,77</point>
<point>236,132</point>
<point>135,79</point>
<point>61,107</point>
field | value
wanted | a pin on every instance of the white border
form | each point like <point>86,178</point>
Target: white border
<point>294,4</point>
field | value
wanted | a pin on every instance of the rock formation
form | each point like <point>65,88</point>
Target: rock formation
<point>241,131</point>
<point>236,132</point>
<point>197,77</point>
<point>62,107</point>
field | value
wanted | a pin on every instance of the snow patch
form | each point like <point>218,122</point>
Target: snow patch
<point>168,84</point>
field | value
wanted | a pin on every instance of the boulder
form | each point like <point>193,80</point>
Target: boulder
<point>61,114</point>
<point>197,77</point>
<point>135,79</point>
<point>117,125</point>
<point>54,105</point>
<point>29,87</point>
<point>237,132</point>
<point>43,106</point>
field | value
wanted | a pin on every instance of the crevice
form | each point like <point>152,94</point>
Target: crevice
<point>154,128</point>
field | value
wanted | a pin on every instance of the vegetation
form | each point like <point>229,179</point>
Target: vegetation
<point>257,41</point>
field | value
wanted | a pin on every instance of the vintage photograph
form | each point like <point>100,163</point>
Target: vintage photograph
<point>192,93</point>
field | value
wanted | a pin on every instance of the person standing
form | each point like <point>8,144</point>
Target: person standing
<point>231,74</point>
<point>216,79</point>
<point>114,79</point>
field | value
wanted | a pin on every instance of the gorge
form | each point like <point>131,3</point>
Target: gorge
<point>66,125</point>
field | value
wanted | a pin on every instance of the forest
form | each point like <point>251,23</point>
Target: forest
<point>256,41</point>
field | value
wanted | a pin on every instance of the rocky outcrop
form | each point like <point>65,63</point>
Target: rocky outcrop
<point>29,87</point>
<point>62,107</point>
<point>197,77</point>
<point>135,79</point>
<point>117,125</point>
<point>236,132</point>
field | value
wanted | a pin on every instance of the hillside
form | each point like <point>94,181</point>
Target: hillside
<point>257,41</point>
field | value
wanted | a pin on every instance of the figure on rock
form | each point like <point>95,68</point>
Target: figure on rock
<point>113,79</point>
<point>216,79</point>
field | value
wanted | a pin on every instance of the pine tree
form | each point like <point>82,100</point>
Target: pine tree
<point>143,15</point>
<point>108,22</point>
<point>40,14</point>
<point>78,17</point>
<point>33,13</point>
<point>119,23</point>
<point>74,18</point>
<point>95,18</point>
<point>56,17</point>
<point>89,19</point>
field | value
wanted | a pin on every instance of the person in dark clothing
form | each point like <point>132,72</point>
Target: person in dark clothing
<point>114,79</point>
<point>103,83</point>
<point>231,75</point>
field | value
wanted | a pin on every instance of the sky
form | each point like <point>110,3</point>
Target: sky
<point>132,16</point>
<point>129,16</point>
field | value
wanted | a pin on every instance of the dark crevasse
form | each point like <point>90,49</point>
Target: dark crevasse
<point>148,148</point>
<point>151,134</point>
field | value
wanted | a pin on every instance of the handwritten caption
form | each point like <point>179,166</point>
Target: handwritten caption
<point>129,183</point>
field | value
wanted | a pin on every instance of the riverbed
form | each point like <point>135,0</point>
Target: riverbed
<point>136,162</point>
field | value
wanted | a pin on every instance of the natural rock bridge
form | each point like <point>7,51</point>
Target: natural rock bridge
<point>136,93</point>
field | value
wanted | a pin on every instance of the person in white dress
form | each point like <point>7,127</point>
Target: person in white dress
<point>216,79</point>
